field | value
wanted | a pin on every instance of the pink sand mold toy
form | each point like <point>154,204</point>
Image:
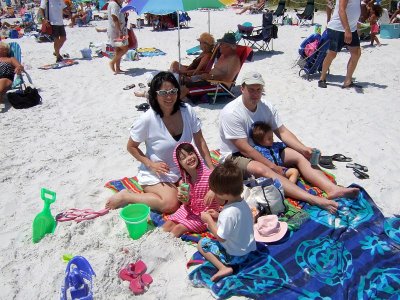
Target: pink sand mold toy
<point>78,282</point>
<point>135,274</point>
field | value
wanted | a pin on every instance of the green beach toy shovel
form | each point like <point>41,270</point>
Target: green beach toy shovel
<point>44,222</point>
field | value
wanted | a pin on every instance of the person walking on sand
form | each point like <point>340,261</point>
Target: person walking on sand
<point>236,119</point>
<point>52,12</point>
<point>233,231</point>
<point>117,33</point>
<point>342,31</point>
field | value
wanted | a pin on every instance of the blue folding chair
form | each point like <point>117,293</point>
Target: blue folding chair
<point>15,51</point>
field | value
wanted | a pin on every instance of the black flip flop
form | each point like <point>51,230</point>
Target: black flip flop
<point>352,85</point>
<point>360,175</point>
<point>143,107</point>
<point>341,158</point>
<point>356,166</point>
<point>326,162</point>
<point>129,86</point>
<point>141,85</point>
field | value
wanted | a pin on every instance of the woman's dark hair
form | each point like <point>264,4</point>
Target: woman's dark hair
<point>378,10</point>
<point>155,86</point>
<point>226,179</point>
<point>258,131</point>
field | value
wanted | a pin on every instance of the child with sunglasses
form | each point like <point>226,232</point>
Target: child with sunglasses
<point>263,138</point>
<point>197,199</point>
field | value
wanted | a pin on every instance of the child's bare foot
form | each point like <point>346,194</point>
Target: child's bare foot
<point>222,273</point>
<point>118,200</point>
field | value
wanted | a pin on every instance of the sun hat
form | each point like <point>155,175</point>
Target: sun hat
<point>207,38</point>
<point>228,38</point>
<point>268,229</point>
<point>253,78</point>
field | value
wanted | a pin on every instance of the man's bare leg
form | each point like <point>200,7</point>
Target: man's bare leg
<point>355,53</point>
<point>316,177</point>
<point>292,190</point>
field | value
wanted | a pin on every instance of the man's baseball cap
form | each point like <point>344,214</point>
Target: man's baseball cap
<point>253,78</point>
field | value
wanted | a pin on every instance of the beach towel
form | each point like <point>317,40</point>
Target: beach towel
<point>59,65</point>
<point>148,52</point>
<point>352,256</point>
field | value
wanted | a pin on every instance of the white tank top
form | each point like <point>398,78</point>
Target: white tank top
<point>353,11</point>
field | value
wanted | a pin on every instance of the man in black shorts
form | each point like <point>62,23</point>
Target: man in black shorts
<point>52,11</point>
<point>342,31</point>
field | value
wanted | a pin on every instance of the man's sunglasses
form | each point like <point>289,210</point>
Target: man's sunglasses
<point>173,91</point>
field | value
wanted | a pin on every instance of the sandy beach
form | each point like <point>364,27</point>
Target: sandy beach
<point>76,141</point>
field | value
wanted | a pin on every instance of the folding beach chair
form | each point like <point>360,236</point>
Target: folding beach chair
<point>258,10</point>
<point>263,35</point>
<point>307,14</point>
<point>279,12</point>
<point>222,88</point>
<point>15,51</point>
<point>184,19</point>
<point>244,29</point>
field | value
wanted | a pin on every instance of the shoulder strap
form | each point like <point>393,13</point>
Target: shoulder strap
<point>47,10</point>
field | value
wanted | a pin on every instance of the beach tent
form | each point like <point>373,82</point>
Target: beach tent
<point>163,7</point>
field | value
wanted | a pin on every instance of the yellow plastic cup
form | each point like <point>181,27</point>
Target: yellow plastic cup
<point>135,217</point>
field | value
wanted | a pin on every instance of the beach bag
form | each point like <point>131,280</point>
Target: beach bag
<point>265,194</point>
<point>132,40</point>
<point>24,98</point>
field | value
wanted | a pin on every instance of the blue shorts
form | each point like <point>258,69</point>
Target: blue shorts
<point>336,40</point>
<point>215,247</point>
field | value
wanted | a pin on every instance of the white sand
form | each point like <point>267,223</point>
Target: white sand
<point>76,141</point>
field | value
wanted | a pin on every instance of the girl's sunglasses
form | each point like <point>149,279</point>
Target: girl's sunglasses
<point>173,91</point>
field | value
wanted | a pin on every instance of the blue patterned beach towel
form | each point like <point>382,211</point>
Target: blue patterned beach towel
<point>148,52</point>
<point>355,255</point>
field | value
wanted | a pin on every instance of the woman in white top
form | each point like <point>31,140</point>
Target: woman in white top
<point>117,31</point>
<point>169,123</point>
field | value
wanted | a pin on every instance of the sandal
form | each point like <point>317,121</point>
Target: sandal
<point>79,215</point>
<point>341,158</point>
<point>358,167</point>
<point>143,107</point>
<point>133,271</point>
<point>326,162</point>
<point>129,86</point>
<point>360,175</point>
<point>141,85</point>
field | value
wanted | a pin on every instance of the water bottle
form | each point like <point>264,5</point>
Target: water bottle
<point>315,155</point>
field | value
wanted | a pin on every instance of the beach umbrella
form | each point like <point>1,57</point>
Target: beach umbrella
<point>163,7</point>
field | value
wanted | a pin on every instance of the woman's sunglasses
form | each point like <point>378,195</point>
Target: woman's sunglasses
<point>173,91</point>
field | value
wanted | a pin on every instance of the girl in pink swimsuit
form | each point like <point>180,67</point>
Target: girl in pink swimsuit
<point>375,14</point>
<point>195,173</point>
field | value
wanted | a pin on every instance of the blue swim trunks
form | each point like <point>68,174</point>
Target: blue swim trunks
<point>215,247</point>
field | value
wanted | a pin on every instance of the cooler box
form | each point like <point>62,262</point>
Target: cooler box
<point>390,31</point>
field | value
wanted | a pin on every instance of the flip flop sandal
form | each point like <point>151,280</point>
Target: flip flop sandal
<point>352,85</point>
<point>140,284</point>
<point>133,271</point>
<point>142,85</point>
<point>129,86</point>
<point>143,107</point>
<point>360,175</point>
<point>326,162</point>
<point>356,166</point>
<point>341,158</point>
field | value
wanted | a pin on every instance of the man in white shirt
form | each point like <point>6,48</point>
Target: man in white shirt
<point>342,31</point>
<point>236,119</point>
<point>52,12</point>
